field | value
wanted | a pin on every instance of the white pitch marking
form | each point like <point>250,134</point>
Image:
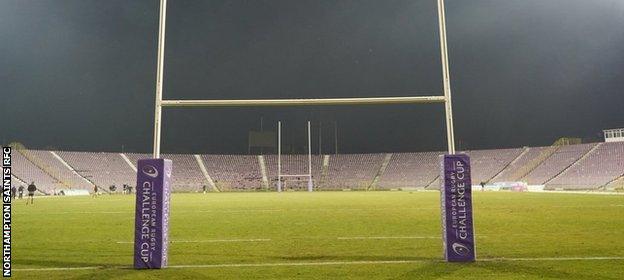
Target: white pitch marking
<point>588,206</point>
<point>299,264</point>
<point>208,241</point>
<point>580,192</point>
<point>62,268</point>
<point>364,209</point>
<point>387,237</point>
<point>236,211</point>
<point>222,240</point>
<point>93,212</point>
<point>328,263</point>
<point>246,210</point>
<point>551,259</point>
<point>310,209</point>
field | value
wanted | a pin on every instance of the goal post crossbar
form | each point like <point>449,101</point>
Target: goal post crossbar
<point>304,101</point>
<point>445,99</point>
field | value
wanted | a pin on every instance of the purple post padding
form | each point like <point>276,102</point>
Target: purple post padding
<point>151,226</point>
<point>456,206</point>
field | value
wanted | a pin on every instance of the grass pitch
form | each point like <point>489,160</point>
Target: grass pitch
<point>324,235</point>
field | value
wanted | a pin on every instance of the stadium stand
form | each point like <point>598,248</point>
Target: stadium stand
<point>28,172</point>
<point>412,170</point>
<point>488,163</point>
<point>512,172</point>
<point>597,169</point>
<point>187,176</point>
<point>616,184</point>
<point>577,167</point>
<point>234,172</point>
<point>102,169</point>
<point>48,162</point>
<point>352,171</point>
<point>556,163</point>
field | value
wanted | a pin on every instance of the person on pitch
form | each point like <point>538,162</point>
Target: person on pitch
<point>20,192</point>
<point>13,192</point>
<point>95,191</point>
<point>31,193</point>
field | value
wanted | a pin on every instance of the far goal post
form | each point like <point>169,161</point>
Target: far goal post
<point>282,177</point>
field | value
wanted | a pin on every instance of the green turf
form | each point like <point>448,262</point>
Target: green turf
<point>306,227</point>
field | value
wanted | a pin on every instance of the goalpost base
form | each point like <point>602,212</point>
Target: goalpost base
<point>151,230</point>
<point>456,208</point>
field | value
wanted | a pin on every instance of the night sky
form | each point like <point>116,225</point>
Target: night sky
<point>80,74</point>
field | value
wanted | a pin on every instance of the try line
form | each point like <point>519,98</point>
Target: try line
<point>334,263</point>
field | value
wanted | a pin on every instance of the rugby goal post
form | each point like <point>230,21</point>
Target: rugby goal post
<point>280,175</point>
<point>445,98</point>
<point>154,175</point>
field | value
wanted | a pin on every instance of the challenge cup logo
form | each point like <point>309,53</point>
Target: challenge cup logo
<point>460,249</point>
<point>150,170</point>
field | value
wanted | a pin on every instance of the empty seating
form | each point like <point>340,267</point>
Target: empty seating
<point>601,166</point>
<point>411,170</point>
<point>352,171</point>
<point>26,171</point>
<point>53,166</point>
<point>514,170</point>
<point>234,172</point>
<point>583,166</point>
<point>102,169</point>
<point>487,163</point>
<point>556,163</point>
